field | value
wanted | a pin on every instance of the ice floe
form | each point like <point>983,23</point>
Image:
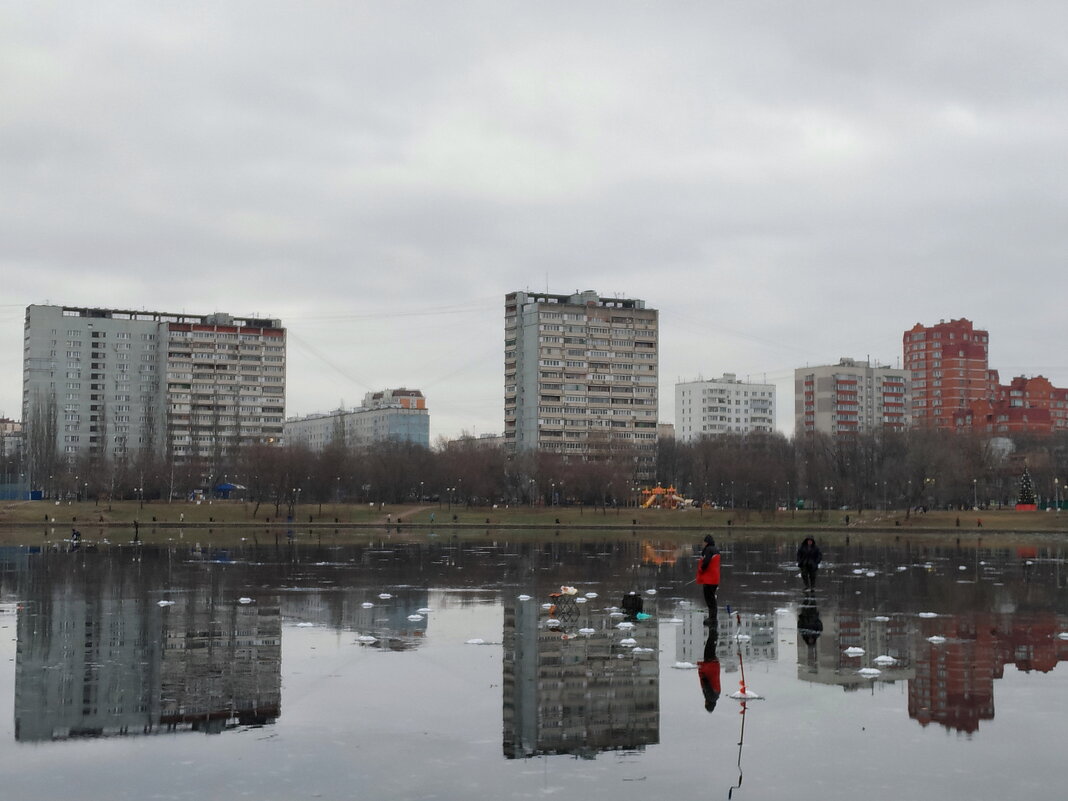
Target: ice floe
<point>746,695</point>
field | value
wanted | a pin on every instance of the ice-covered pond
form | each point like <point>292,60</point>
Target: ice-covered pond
<point>455,667</point>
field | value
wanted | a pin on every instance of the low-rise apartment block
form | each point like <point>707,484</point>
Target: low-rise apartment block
<point>392,414</point>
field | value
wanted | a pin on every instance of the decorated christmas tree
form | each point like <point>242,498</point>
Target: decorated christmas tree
<point>1025,500</point>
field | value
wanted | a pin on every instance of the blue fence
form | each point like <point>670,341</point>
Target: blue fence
<point>18,492</point>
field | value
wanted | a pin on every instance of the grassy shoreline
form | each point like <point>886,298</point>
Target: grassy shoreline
<point>29,515</point>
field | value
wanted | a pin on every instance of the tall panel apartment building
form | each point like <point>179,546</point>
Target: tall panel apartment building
<point>850,397</point>
<point>115,382</point>
<point>722,406</point>
<point>580,375</point>
<point>949,369</point>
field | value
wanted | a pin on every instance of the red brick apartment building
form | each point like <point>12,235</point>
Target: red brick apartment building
<point>949,369</point>
<point>1024,405</point>
<point>953,386</point>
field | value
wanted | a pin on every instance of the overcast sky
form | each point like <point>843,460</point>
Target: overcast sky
<point>788,183</point>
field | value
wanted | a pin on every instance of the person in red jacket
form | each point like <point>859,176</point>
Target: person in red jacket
<point>708,575</point>
<point>708,668</point>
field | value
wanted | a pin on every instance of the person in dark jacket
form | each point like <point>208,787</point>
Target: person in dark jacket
<point>708,575</point>
<point>808,561</point>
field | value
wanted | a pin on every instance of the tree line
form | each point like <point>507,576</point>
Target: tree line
<point>762,472</point>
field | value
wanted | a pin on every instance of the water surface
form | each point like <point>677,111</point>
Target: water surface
<point>429,669</point>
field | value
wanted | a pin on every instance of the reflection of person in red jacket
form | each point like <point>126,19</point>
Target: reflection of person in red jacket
<point>708,668</point>
<point>708,575</point>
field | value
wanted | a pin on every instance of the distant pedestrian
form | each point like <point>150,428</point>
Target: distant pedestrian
<point>808,561</point>
<point>708,576</point>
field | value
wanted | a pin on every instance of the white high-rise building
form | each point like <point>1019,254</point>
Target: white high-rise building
<point>113,382</point>
<point>722,406</point>
<point>581,375</point>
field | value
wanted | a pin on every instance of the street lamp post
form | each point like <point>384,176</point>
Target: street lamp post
<point>975,493</point>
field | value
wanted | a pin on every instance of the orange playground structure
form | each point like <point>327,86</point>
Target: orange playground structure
<point>663,498</point>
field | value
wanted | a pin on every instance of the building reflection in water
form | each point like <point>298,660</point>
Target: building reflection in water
<point>753,634</point>
<point>396,623</point>
<point>950,661</point>
<point>829,645</point>
<point>580,688</point>
<point>954,680</point>
<point>92,666</point>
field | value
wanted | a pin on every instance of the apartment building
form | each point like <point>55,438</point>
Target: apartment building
<point>722,406</point>
<point>1024,405</point>
<point>850,397</point>
<point>112,382</point>
<point>581,375</point>
<point>392,414</point>
<point>949,370</point>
